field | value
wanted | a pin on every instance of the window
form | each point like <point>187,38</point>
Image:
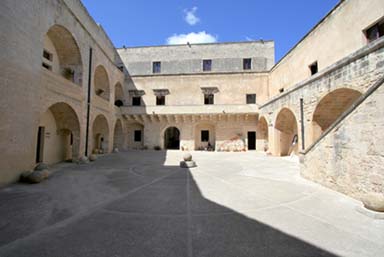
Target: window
<point>208,98</point>
<point>376,31</point>
<point>251,98</point>
<point>136,100</point>
<point>137,136</point>
<point>313,68</point>
<point>47,66</point>
<point>47,55</point>
<point>156,67</point>
<point>119,103</point>
<point>121,68</point>
<point>204,135</point>
<point>247,64</point>
<point>281,90</point>
<point>160,100</point>
<point>207,65</point>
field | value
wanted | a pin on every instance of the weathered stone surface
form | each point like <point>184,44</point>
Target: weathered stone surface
<point>373,201</point>
<point>24,176</point>
<point>93,157</point>
<point>41,166</point>
<point>83,160</point>
<point>188,164</point>
<point>37,176</point>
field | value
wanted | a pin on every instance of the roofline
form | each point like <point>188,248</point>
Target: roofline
<point>200,44</point>
<point>309,32</point>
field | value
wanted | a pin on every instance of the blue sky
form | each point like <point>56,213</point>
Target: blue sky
<point>144,23</point>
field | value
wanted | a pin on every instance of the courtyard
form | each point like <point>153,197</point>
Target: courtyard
<point>140,203</point>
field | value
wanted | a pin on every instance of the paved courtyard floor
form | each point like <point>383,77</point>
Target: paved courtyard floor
<point>142,204</point>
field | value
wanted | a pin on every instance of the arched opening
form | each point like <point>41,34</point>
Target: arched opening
<point>262,135</point>
<point>58,137</point>
<point>172,138</point>
<point>135,133</point>
<point>118,136</point>
<point>61,54</point>
<point>330,108</point>
<point>101,83</point>
<point>119,95</point>
<point>100,134</point>
<point>286,133</point>
<point>205,137</point>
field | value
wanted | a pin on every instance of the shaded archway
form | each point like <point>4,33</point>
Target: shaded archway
<point>61,54</point>
<point>262,135</point>
<point>58,137</point>
<point>286,137</point>
<point>118,136</point>
<point>100,132</point>
<point>330,108</point>
<point>101,83</point>
<point>119,95</point>
<point>172,138</point>
<point>205,136</point>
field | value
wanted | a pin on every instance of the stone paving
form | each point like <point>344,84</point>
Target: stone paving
<point>142,204</point>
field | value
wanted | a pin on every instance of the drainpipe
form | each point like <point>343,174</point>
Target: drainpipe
<point>88,100</point>
<point>302,123</point>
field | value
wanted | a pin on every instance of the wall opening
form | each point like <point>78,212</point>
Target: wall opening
<point>262,135</point>
<point>286,133</point>
<point>101,83</point>
<point>172,138</point>
<point>100,131</point>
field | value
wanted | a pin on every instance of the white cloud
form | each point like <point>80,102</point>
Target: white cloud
<point>190,16</point>
<point>193,38</point>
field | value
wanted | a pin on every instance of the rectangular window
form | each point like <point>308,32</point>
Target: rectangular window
<point>47,66</point>
<point>156,67</point>
<point>313,68</point>
<point>136,100</point>
<point>47,55</point>
<point>247,64</point>
<point>207,65</point>
<point>137,136</point>
<point>160,100</point>
<point>208,98</point>
<point>375,31</point>
<point>251,98</point>
<point>204,135</point>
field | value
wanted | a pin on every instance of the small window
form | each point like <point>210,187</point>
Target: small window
<point>281,90</point>
<point>204,135</point>
<point>376,31</point>
<point>313,68</point>
<point>208,98</point>
<point>160,100</point>
<point>47,55</point>
<point>47,66</point>
<point>251,98</point>
<point>247,64</point>
<point>119,103</point>
<point>121,68</point>
<point>156,67</point>
<point>136,101</point>
<point>207,65</point>
<point>137,136</point>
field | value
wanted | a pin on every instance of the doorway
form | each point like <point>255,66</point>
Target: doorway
<point>40,144</point>
<point>172,139</point>
<point>251,140</point>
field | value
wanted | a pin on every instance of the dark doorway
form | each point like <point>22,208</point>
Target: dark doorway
<point>251,140</point>
<point>172,138</point>
<point>40,144</point>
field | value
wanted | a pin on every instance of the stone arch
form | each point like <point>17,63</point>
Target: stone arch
<point>262,134</point>
<point>329,109</point>
<point>118,135</point>
<point>205,145</point>
<point>101,83</point>
<point>119,95</point>
<point>172,138</point>
<point>62,54</point>
<point>286,133</point>
<point>135,134</point>
<point>58,137</point>
<point>100,134</point>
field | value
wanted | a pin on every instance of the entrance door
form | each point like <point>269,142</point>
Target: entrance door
<point>40,144</point>
<point>172,138</point>
<point>251,140</point>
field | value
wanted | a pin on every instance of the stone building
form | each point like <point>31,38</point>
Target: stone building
<point>67,92</point>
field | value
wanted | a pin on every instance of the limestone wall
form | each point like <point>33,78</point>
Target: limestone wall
<point>338,35</point>
<point>350,157</point>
